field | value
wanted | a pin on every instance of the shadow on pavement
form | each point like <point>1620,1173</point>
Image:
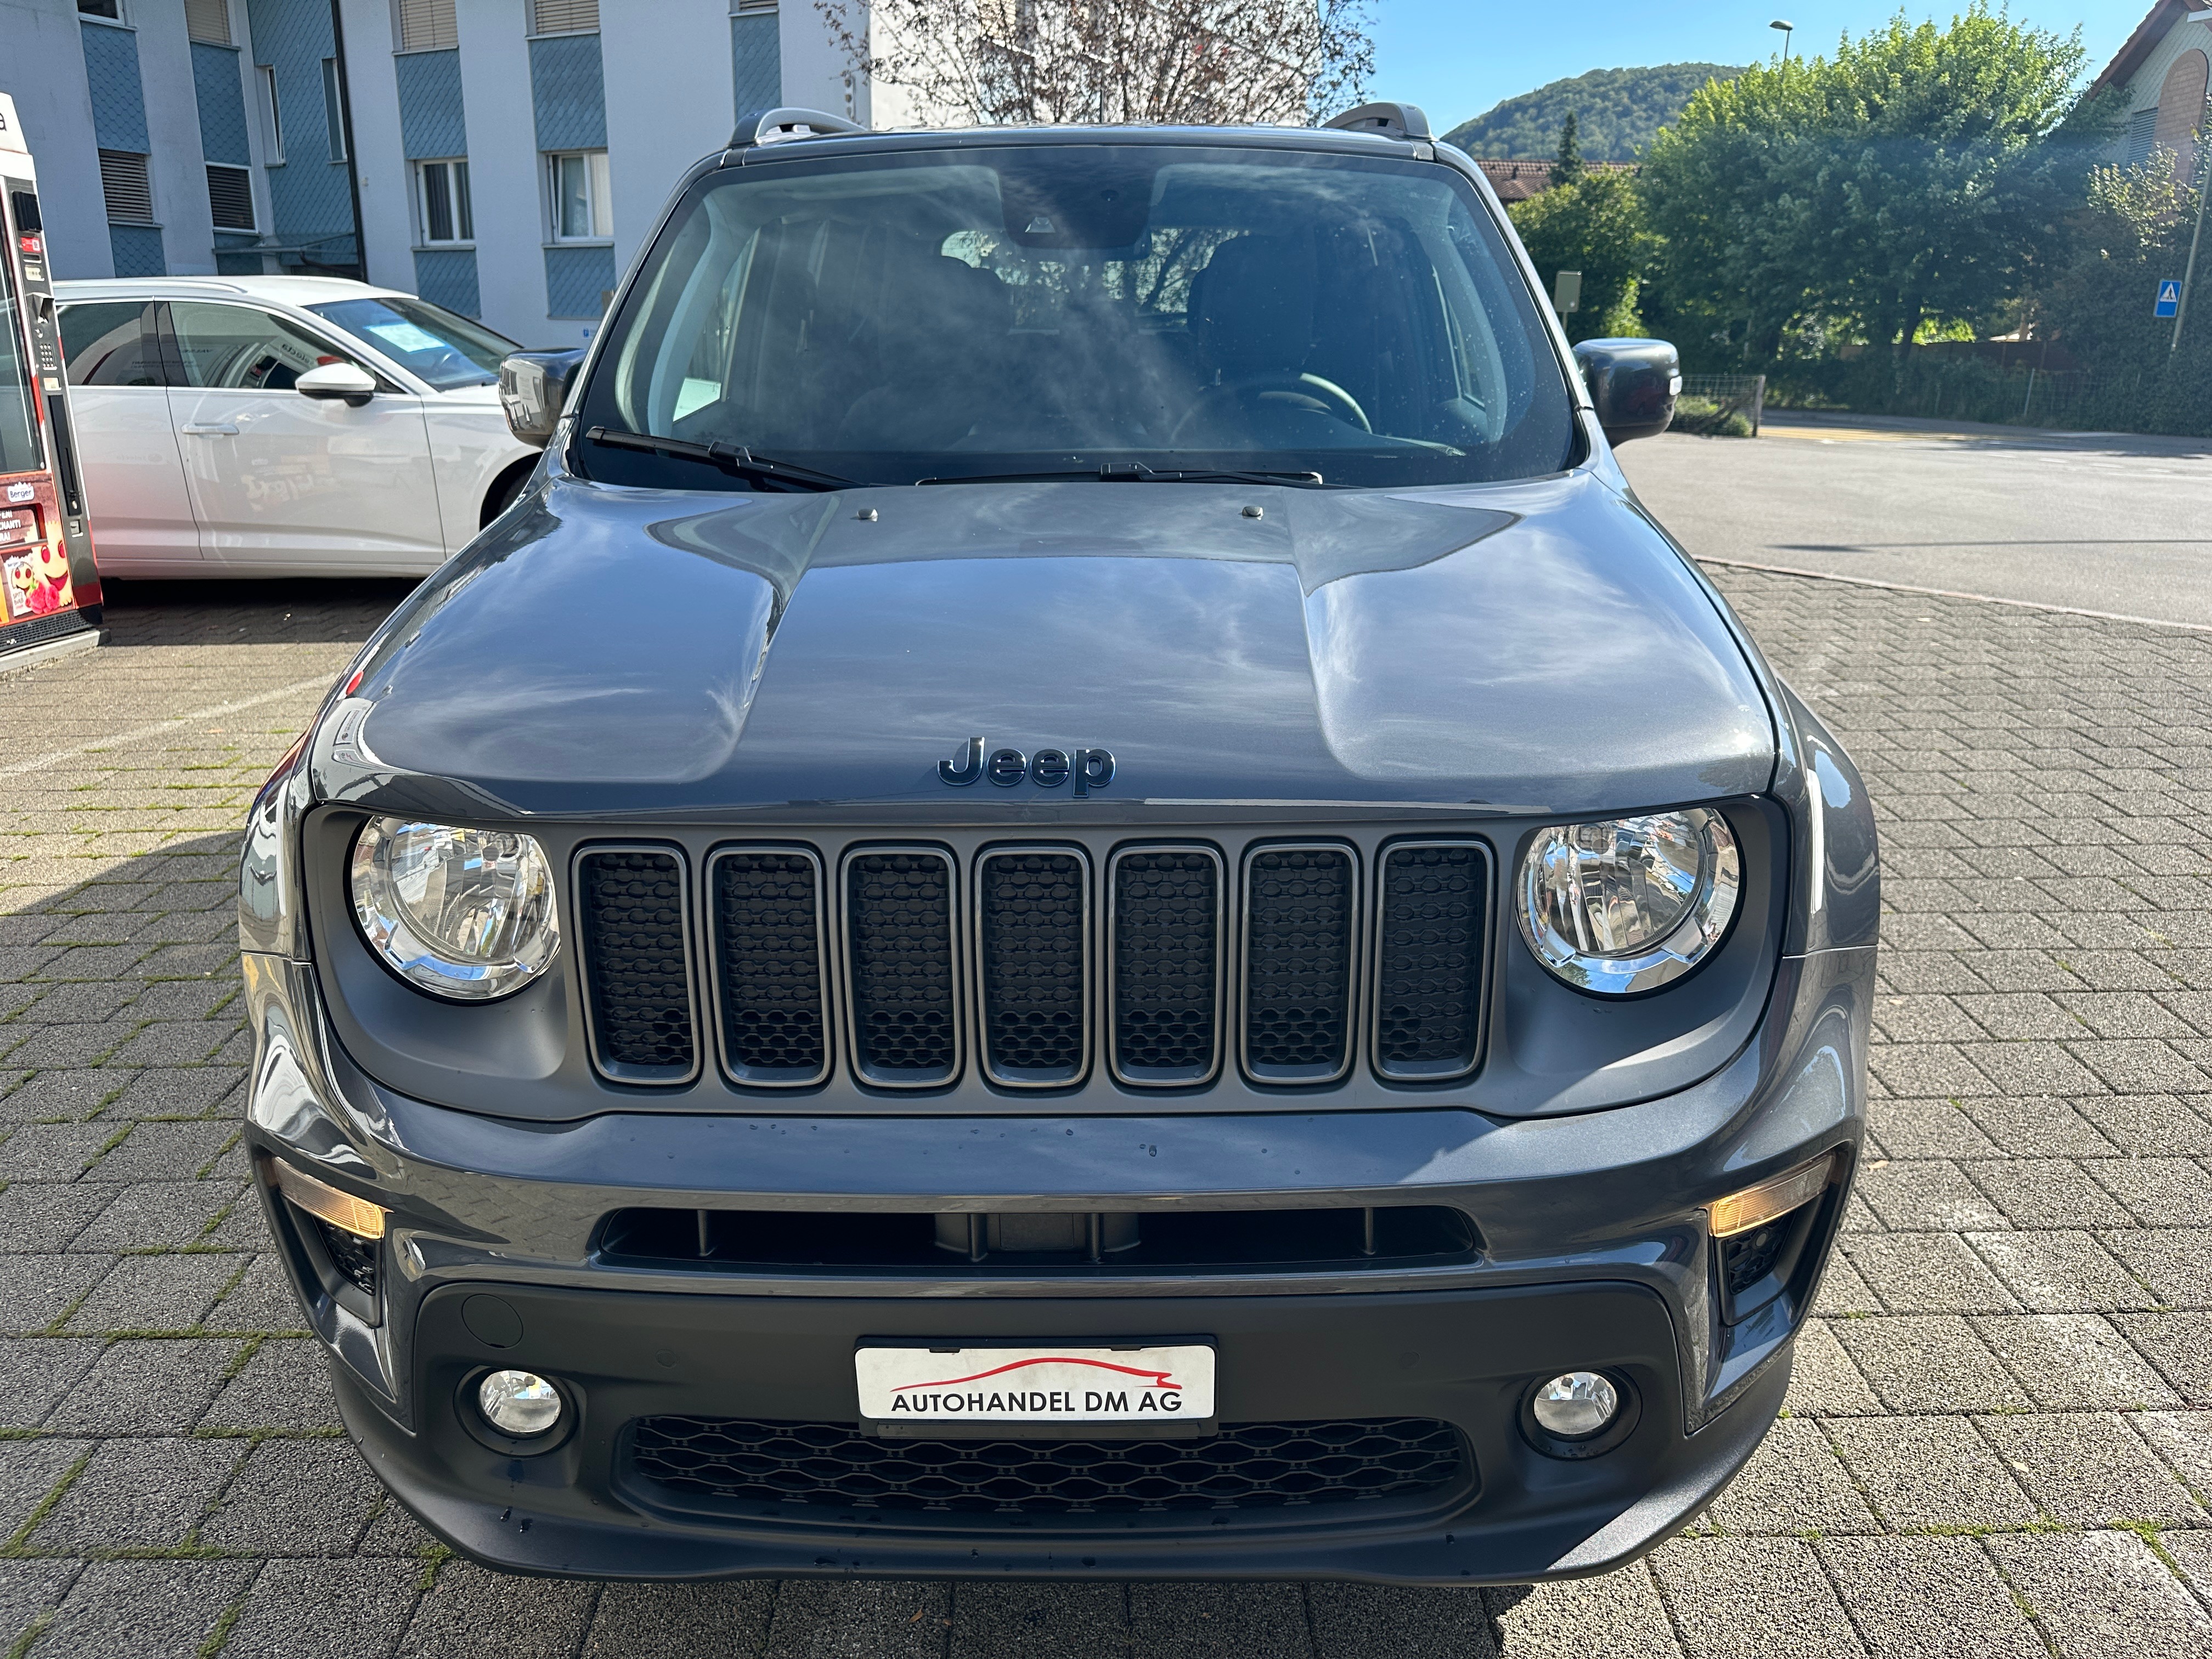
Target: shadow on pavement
<point>304,612</point>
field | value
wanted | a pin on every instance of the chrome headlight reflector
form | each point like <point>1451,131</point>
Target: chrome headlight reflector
<point>464,914</point>
<point>1630,904</point>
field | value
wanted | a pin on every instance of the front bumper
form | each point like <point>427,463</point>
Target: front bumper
<point>1593,1256</point>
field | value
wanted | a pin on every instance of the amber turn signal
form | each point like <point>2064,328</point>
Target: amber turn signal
<point>1754,1206</point>
<point>343,1210</point>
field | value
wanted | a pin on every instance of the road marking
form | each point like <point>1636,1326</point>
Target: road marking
<point>1954,593</point>
<point>320,681</point>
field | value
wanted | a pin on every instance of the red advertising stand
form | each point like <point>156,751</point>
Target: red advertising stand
<point>49,589</point>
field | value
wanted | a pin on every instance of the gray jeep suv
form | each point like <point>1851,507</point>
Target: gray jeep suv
<point>1076,893</point>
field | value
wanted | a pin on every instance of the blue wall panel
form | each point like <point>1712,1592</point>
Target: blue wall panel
<point>568,93</point>
<point>431,121</point>
<point>756,56</point>
<point>137,250</point>
<point>119,100</point>
<point>221,99</point>
<point>311,197</point>
<point>575,277</point>
<point>447,277</point>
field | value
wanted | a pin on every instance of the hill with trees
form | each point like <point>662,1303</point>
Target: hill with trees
<point>1616,110</point>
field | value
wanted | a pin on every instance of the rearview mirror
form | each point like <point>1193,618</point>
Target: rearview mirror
<point>533,386</point>
<point>1632,386</point>
<point>333,380</point>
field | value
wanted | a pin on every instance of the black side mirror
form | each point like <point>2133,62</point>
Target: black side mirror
<point>533,387</point>
<point>1632,386</point>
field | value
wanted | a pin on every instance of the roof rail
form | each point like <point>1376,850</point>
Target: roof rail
<point>775,126</point>
<point>1388,120</point>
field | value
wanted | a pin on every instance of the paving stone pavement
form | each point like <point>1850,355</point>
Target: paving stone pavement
<point>1999,1438</point>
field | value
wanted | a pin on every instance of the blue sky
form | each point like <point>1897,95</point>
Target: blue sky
<point>1455,58</point>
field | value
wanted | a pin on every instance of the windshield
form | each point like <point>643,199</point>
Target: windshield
<point>431,343</point>
<point>1055,308</point>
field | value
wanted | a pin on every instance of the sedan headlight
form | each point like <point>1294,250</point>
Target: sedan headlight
<point>465,914</point>
<point>1631,904</point>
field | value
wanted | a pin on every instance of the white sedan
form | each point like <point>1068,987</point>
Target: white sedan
<point>283,426</point>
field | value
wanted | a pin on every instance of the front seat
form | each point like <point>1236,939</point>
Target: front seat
<point>951,319</point>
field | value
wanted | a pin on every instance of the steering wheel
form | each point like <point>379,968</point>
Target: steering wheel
<point>1330,398</point>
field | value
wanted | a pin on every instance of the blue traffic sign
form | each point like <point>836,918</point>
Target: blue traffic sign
<point>2169,299</point>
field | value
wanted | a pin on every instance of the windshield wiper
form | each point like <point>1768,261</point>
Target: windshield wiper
<point>1137,472</point>
<point>731,457</point>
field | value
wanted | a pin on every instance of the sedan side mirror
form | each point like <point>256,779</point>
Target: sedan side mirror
<point>334,380</point>
<point>1632,386</point>
<point>533,388</point>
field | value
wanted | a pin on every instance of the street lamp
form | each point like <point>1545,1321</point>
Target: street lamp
<point>2204,189</point>
<point>1788,28</point>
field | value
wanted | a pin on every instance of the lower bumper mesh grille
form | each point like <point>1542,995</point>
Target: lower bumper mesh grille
<point>1247,1465</point>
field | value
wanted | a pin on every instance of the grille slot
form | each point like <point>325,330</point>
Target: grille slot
<point>1301,907</point>
<point>1033,965</point>
<point>1431,921</point>
<point>1243,1467</point>
<point>1165,974</point>
<point>636,956</point>
<point>770,987</point>
<point>904,1013</point>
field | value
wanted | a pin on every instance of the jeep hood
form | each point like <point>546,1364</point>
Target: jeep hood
<point>1534,646</point>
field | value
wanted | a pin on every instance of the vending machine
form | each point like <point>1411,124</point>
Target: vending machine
<point>49,588</point>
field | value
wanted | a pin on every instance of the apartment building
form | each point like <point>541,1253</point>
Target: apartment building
<point>502,157</point>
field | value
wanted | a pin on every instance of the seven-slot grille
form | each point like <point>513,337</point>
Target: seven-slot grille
<point>902,952</point>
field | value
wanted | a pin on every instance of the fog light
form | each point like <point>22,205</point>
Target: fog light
<point>519,1403</point>
<point>1575,1404</point>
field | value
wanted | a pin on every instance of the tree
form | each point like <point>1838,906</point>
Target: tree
<point>1616,113</point>
<point>1595,226</point>
<point>1567,165</point>
<point>1916,175</point>
<point>1001,63</point>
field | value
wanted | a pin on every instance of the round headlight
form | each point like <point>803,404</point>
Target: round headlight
<point>1630,904</point>
<point>466,914</point>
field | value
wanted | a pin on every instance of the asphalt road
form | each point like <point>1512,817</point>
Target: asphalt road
<point>2093,521</point>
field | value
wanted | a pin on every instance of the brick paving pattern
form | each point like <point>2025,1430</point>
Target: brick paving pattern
<point>1999,1440</point>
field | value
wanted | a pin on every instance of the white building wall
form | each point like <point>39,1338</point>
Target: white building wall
<point>503,182</point>
<point>380,159</point>
<point>671,99</point>
<point>817,71</point>
<point>42,68</point>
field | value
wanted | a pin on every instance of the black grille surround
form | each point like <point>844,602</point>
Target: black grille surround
<point>635,945</point>
<point>799,962</point>
<point>1263,1472</point>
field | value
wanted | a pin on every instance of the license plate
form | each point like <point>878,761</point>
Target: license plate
<point>1062,1384</point>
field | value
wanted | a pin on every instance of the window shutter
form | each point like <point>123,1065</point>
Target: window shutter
<point>564,16</point>
<point>208,20</point>
<point>230,197</point>
<point>130,193</point>
<point>428,25</point>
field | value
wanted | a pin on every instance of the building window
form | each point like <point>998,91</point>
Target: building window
<point>334,108</point>
<point>753,7</point>
<point>110,9</point>
<point>428,25</point>
<point>230,196</point>
<point>583,207</point>
<point>441,191</point>
<point>272,119</point>
<point>564,16</point>
<point>208,20</point>
<point>2142,131</point>
<point>130,192</point>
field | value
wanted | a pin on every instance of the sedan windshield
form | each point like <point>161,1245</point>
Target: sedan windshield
<point>1133,311</point>
<point>429,342</point>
